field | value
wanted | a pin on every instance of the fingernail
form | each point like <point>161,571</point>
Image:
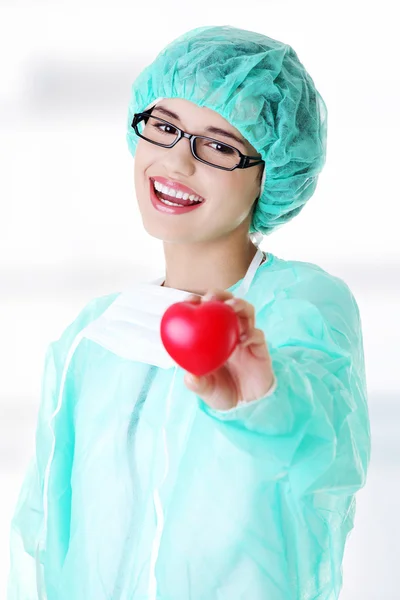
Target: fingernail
<point>231,301</point>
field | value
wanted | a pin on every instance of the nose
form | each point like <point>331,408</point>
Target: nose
<point>179,158</point>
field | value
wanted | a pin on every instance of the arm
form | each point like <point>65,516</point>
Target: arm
<point>315,422</point>
<point>26,526</point>
<point>27,546</point>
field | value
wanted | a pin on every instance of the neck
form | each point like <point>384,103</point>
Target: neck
<point>199,267</point>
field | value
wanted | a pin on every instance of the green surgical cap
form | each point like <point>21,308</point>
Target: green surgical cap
<point>259,86</point>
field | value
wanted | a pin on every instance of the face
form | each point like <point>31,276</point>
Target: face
<point>228,196</point>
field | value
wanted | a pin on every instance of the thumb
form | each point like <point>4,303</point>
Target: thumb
<point>200,385</point>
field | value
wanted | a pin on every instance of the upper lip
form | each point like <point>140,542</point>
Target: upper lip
<point>175,185</point>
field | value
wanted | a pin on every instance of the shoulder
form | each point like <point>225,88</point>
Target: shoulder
<point>294,279</point>
<point>293,295</point>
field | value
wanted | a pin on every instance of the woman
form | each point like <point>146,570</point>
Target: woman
<point>147,483</point>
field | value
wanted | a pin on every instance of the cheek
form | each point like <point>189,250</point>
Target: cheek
<point>144,159</point>
<point>236,189</point>
<point>224,185</point>
<point>248,186</point>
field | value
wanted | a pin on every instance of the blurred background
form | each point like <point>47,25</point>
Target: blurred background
<point>70,229</point>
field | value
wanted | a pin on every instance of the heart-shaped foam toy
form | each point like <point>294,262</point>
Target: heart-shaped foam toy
<point>200,337</point>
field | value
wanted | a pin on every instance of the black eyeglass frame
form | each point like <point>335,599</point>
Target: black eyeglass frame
<point>244,162</point>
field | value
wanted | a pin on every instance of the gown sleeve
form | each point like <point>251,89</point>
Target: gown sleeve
<point>27,553</point>
<point>26,561</point>
<point>315,423</point>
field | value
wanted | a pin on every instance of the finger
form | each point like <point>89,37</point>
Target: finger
<point>257,343</point>
<point>256,337</point>
<point>217,294</point>
<point>245,311</point>
<point>194,298</point>
<point>202,386</point>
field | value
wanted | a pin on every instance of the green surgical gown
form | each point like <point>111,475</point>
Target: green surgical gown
<point>140,491</point>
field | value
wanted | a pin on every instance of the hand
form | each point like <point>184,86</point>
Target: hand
<point>247,374</point>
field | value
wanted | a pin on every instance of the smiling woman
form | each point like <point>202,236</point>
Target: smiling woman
<point>148,484</point>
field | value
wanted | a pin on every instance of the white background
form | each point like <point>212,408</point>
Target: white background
<point>70,229</point>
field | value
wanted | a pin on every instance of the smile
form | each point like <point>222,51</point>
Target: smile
<point>179,197</point>
<point>171,202</point>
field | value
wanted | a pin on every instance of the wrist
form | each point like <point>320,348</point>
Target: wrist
<point>269,392</point>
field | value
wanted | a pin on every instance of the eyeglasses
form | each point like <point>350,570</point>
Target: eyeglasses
<point>205,149</point>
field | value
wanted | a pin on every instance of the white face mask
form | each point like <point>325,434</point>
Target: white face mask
<point>130,327</point>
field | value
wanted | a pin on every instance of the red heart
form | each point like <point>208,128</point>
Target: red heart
<point>200,337</point>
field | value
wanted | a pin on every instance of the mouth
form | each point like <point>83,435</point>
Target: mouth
<point>174,197</point>
<point>170,201</point>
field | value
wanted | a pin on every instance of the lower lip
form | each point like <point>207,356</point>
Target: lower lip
<point>165,208</point>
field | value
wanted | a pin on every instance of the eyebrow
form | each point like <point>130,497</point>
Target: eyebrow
<point>210,129</point>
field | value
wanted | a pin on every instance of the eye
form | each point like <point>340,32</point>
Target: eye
<point>222,149</point>
<point>165,128</point>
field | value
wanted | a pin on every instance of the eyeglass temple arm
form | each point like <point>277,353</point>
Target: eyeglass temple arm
<point>247,159</point>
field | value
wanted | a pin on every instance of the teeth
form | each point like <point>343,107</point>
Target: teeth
<point>170,203</point>
<point>176,194</point>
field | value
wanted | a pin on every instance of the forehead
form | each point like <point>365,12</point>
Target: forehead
<point>196,119</point>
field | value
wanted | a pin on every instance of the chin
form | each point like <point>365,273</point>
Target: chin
<point>166,235</point>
